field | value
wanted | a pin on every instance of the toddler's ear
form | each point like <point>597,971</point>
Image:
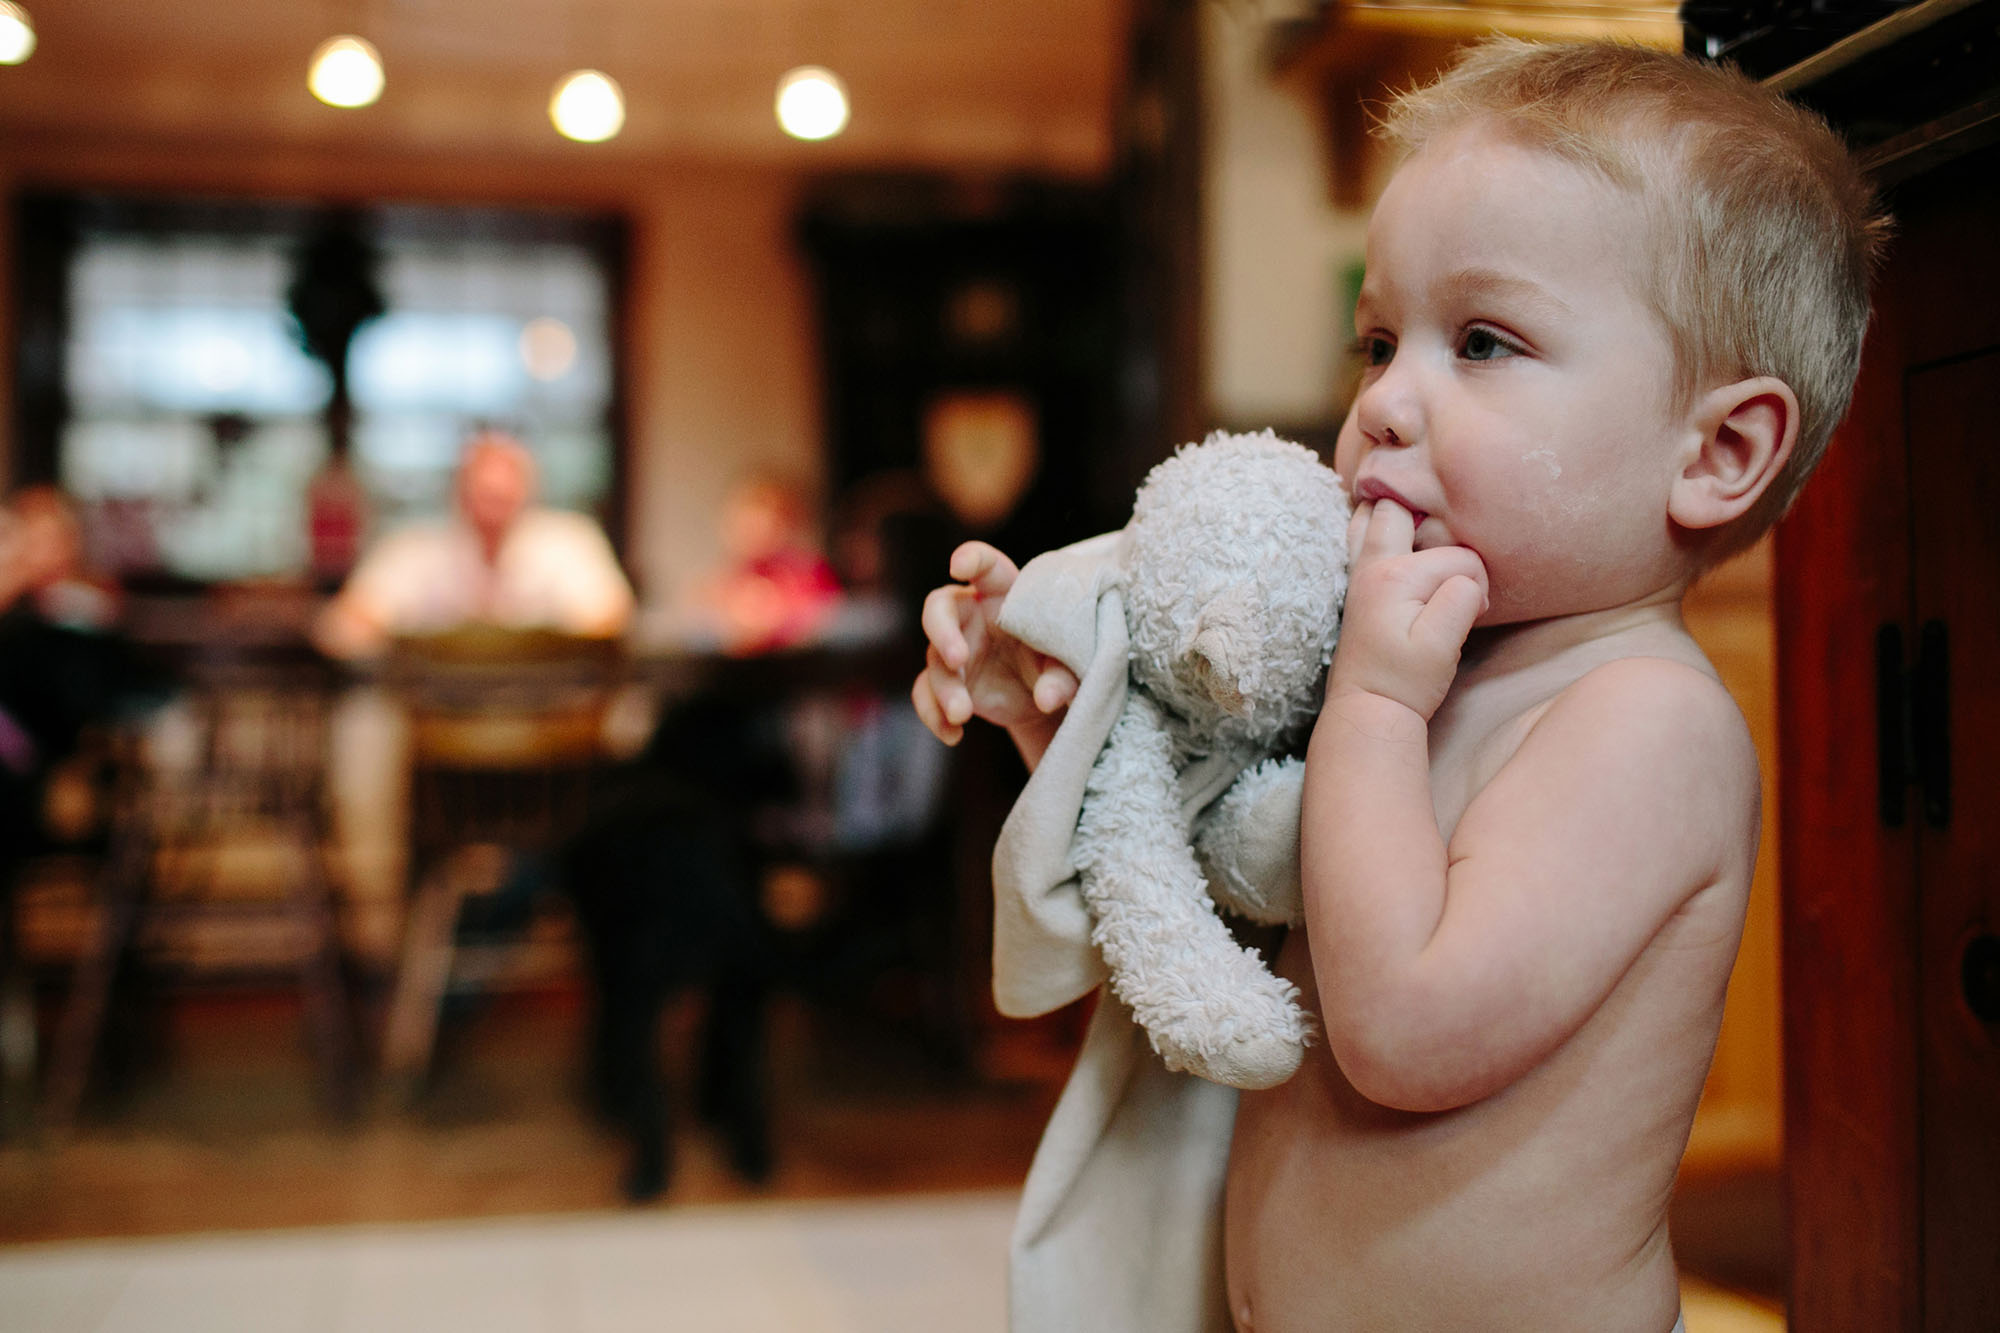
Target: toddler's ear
<point>1744,434</point>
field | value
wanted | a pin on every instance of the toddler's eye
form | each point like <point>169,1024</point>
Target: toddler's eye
<point>1374,350</point>
<point>1481,344</point>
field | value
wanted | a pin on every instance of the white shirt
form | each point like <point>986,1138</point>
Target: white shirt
<point>555,570</point>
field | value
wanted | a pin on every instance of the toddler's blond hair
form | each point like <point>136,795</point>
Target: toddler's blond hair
<point>1765,229</point>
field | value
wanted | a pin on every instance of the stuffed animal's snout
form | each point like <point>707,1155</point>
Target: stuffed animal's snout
<point>1222,650</point>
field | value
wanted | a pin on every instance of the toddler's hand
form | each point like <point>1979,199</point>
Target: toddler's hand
<point>1407,613</point>
<point>972,668</point>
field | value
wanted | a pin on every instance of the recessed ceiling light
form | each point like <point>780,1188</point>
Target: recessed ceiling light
<point>346,71</point>
<point>17,33</point>
<point>812,103</point>
<point>588,106</point>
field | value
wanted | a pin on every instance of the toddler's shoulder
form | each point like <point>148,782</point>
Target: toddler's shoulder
<point>1658,686</point>
<point>1667,712</point>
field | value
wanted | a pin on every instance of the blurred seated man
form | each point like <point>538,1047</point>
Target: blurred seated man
<point>499,560</point>
<point>64,665</point>
<point>42,571</point>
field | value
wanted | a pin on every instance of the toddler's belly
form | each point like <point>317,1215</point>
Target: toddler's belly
<point>1542,1207</point>
<point>1362,1218</point>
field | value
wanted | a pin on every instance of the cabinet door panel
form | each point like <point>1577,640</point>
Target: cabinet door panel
<point>1892,1116</point>
<point>1954,434</point>
<point>1847,916</point>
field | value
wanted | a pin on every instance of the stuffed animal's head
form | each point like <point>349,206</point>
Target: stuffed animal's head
<point>1235,565</point>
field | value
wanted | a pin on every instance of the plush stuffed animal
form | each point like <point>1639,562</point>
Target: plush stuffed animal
<point>1233,570</point>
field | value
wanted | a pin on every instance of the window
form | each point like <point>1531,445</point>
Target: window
<point>189,421</point>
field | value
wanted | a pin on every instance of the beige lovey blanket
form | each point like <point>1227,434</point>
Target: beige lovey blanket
<point>1120,1227</point>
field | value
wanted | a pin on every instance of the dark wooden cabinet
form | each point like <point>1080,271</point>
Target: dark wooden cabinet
<point>1888,609</point>
<point>1953,411</point>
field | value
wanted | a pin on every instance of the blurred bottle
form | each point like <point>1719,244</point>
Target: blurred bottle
<point>336,518</point>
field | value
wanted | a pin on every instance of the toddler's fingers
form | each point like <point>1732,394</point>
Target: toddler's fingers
<point>1424,572</point>
<point>1055,686</point>
<point>930,714</point>
<point>1391,530</point>
<point>948,687</point>
<point>1450,613</point>
<point>1357,529</point>
<point>943,625</point>
<point>984,567</point>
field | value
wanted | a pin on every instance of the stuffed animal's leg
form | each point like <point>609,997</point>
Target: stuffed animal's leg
<point>1248,844</point>
<point>1209,1005</point>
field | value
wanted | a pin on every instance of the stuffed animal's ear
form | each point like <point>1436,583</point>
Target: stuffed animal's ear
<point>1222,650</point>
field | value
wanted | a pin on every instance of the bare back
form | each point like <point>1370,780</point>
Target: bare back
<point>1542,1205</point>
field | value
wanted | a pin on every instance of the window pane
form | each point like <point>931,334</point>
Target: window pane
<point>197,418</point>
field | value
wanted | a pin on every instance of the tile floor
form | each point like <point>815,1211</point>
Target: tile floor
<point>904,1265</point>
<point>216,1198</point>
<point>838,1267</point>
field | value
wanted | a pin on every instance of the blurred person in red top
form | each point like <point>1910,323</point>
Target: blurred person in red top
<point>776,591</point>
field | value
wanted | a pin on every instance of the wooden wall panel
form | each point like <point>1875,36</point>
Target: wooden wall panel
<point>1953,410</point>
<point>1849,919</point>
<point>1893,1082</point>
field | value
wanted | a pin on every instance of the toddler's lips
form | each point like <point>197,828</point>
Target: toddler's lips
<point>1368,489</point>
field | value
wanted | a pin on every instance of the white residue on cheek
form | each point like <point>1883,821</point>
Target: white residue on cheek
<point>1547,458</point>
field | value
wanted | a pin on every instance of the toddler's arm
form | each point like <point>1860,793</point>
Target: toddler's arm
<point>1446,972</point>
<point>974,669</point>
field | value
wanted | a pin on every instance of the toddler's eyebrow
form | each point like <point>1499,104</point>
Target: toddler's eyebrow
<point>1470,285</point>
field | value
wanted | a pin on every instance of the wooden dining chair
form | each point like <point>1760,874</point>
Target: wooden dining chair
<point>254,768</point>
<point>505,750</point>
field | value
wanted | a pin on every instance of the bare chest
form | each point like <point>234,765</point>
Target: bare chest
<point>1470,742</point>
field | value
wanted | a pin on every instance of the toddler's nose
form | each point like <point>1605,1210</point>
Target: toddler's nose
<point>1388,412</point>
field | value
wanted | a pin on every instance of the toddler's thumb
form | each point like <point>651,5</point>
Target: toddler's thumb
<point>1055,685</point>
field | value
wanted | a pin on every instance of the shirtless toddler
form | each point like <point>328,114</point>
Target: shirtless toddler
<point>1613,308</point>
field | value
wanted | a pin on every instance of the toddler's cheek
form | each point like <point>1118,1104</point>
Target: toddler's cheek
<point>1347,451</point>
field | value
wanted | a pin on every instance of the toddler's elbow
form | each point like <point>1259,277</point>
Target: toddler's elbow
<point>1404,1073</point>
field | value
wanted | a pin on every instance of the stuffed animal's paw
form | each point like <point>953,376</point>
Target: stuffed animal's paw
<point>1248,842</point>
<point>1262,1054</point>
